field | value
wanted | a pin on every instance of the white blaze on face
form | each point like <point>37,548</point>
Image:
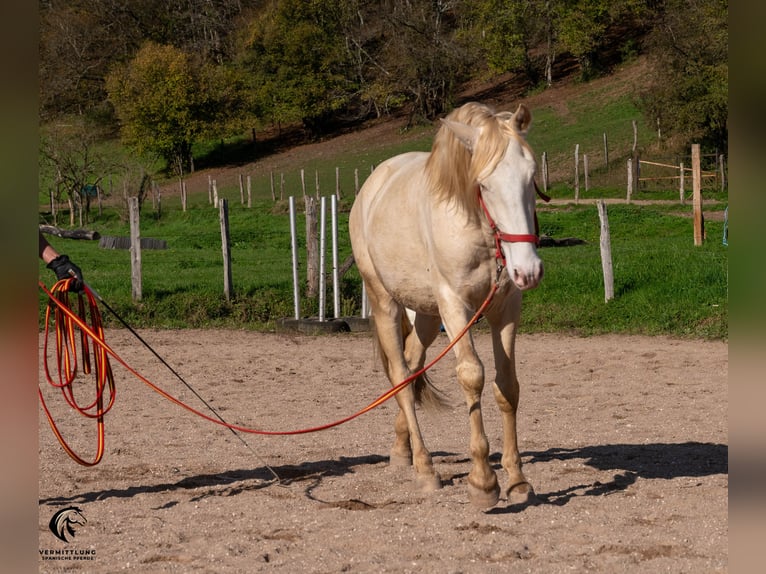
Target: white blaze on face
<point>509,195</point>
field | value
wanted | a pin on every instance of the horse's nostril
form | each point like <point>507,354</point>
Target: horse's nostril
<point>519,278</point>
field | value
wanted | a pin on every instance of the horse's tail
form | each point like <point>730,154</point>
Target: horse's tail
<point>426,394</point>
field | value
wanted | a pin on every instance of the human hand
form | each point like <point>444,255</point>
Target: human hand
<point>65,269</point>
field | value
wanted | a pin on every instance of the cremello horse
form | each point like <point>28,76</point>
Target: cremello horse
<point>434,232</point>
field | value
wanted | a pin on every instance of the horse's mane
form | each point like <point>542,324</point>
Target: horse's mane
<point>453,169</point>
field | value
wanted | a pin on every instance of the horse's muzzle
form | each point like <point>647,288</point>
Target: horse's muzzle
<point>527,278</point>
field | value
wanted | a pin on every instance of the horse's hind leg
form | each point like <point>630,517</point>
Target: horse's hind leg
<point>417,340</point>
<point>504,323</point>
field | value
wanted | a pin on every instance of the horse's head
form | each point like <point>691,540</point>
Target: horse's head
<point>503,167</point>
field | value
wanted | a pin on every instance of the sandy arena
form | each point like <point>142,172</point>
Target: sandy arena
<point>624,438</point>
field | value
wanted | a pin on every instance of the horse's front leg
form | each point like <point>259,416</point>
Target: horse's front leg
<point>504,322</point>
<point>483,488</point>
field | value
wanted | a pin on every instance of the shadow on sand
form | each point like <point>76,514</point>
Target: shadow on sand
<point>630,461</point>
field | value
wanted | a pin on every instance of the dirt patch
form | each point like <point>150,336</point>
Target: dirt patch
<point>624,439</point>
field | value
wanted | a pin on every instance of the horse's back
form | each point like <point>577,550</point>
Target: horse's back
<point>390,176</point>
<point>389,194</point>
<point>385,224</point>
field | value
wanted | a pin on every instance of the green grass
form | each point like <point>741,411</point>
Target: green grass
<point>182,286</point>
<point>663,283</point>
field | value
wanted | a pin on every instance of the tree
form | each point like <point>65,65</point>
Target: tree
<point>689,91</point>
<point>74,56</point>
<point>423,55</point>
<point>161,102</point>
<point>504,31</point>
<point>515,35</point>
<point>73,165</point>
<point>580,30</point>
<point>80,40</point>
<point>296,60</point>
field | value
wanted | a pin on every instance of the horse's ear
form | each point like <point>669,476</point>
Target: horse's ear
<point>522,119</point>
<point>466,135</point>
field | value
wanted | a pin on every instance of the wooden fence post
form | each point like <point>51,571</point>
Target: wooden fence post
<point>545,171</point>
<point>223,216</point>
<point>312,247</point>
<point>659,134</point>
<point>630,179</point>
<point>249,192</point>
<point>636,171</point>
<point>681,183</point>
<point>271,179</point>
<point>606,252</point>
<point>577,174</point>
<point>135,249</point>
<point>585,170</point>
<point>699,224</point>
<point>635,136</point>
<point>606,153</point>
<point>215,194</point>
<point>337,182</point>
<point>723,171</point>
<point>241,190</point>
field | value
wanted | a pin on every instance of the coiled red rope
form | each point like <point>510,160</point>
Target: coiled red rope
<point>73,330</point>
<point>85,325</point>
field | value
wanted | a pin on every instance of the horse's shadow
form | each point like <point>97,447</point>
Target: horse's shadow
<point>230,483</point>
<point>630,461</point>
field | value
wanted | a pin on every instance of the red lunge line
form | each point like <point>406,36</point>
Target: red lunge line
<point>65,322</point>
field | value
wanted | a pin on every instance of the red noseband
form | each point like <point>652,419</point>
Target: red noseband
<point>511,237</point>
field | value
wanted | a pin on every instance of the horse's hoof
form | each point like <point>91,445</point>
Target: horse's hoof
<point>400,460</point>
<point>482,498</point>
<point>428,482</point>
<point>521,494</point>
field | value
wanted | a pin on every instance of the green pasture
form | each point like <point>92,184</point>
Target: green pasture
<point>663,283</point>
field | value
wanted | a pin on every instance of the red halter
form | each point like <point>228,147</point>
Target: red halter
<point>501,236</point>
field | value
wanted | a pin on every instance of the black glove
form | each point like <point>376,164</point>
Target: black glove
<point>65,269</point>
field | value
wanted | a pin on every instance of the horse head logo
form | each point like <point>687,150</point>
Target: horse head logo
<point>63,522</point>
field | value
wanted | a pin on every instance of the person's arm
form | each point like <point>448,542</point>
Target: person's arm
<point>47,252</point>
<point>60,264</point>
